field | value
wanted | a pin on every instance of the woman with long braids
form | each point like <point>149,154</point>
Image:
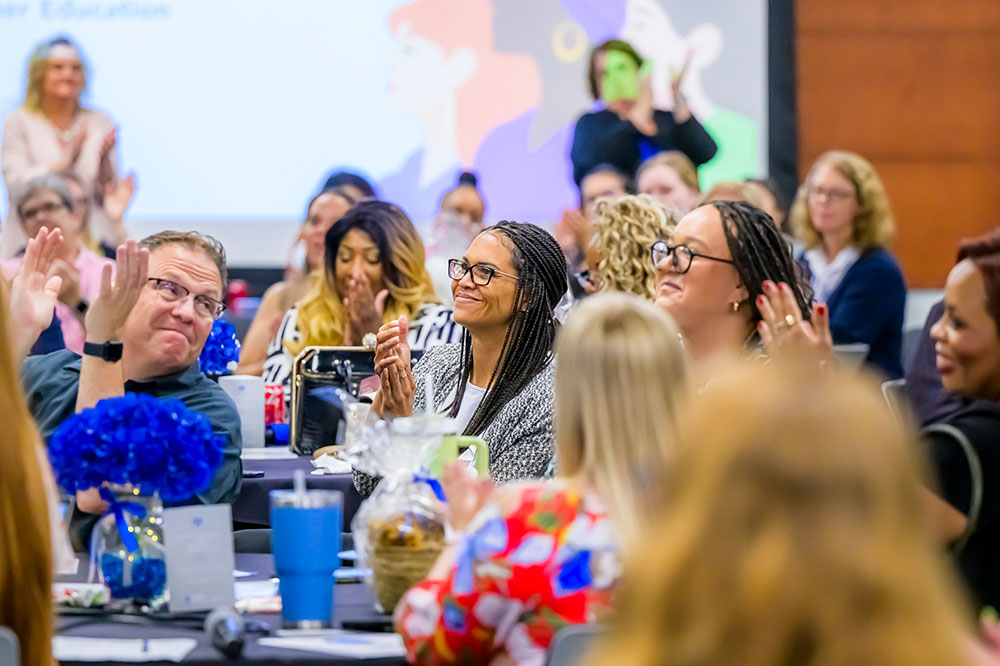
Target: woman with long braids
<point>498,383</point>
<point>719,266</point>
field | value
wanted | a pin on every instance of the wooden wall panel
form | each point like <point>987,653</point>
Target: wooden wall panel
<point>902,98</point>
<point>935,206</point>
<point>905,16</point>
<point>915,87</point>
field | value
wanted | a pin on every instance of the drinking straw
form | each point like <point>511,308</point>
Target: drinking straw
<point>428,393</point>
<point>299,485</point>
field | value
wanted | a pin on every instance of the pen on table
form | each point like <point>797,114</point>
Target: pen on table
<point>145,645</point>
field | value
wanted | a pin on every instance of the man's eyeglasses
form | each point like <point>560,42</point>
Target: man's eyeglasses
<point>680,256</point>
<point>205,307</point>
<point>47,207</point>
<point>481,273</point>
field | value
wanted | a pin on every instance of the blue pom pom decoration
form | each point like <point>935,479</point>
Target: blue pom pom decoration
<point>158,445</point>
<point>221,353</point>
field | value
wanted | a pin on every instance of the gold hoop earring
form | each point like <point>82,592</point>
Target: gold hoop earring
<point>569,41</point>
<point>736,307</point>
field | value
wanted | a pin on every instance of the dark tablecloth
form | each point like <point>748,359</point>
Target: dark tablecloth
<point>352,601</point>
<point>252,507</point>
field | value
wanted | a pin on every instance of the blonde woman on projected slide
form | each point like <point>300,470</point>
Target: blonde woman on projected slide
<point>52,132</point>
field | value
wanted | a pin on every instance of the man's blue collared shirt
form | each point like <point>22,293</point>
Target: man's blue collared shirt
<point>51,383</point>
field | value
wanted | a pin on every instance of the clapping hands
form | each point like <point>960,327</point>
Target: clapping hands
<point>34,292</point>
<point>392,364</point>
<point>364,309</point>
<point>107,314</point>
<point>784,331</point>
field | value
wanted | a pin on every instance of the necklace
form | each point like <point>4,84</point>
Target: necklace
<point>68,135</point>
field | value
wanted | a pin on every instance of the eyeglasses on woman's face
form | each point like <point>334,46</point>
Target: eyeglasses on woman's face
<point>481,273</point>
<point>834,194</point>
<point>680,256</point>
<point>205,307</point>
<point>46,208</point>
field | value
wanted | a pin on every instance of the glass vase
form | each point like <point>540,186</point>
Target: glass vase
<point>127,548</point>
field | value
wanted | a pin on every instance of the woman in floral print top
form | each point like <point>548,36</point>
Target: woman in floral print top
<point>533,557</point>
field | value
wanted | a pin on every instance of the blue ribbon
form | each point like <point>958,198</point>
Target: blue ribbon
<point>119,509</point>
<point>490,538</point>
<point>433,483</point>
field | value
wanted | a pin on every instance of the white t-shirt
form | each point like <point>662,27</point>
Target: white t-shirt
<point>470,403</point>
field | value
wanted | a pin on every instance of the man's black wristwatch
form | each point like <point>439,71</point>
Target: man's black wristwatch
<point>109,351</point>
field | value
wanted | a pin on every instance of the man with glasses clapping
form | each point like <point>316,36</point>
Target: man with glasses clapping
<point>145,332</point>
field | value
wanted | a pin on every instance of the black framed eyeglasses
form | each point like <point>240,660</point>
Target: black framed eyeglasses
<point>680,256</point>
<point>481,273</point>
<point>205,307</point>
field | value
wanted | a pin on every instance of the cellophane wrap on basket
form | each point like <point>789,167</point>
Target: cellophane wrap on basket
<point>399,531</point>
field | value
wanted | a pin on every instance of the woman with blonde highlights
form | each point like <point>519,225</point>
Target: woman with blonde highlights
<point>374,273</point>
<point>842,215</point>
<point>553,548</point>
<point>794,533</point>
<point>624,231</point>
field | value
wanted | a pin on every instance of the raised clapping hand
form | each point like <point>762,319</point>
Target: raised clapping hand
<point>466,494</point>
<point>106,169</point>
<point>70,291</point>
<point>117,196</point>
<point>681,109</point>
<point>640,114</point>
<point>114,302</point>
<point>783,329</point>
<point>392,364</point>
<point>33,293</point>
<point>364,310</point>
<point>75,148</point>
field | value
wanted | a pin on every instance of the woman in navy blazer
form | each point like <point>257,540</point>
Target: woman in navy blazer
<point>842,216</point>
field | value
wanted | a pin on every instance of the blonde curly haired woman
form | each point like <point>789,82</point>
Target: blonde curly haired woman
<point>618,255</point>
<point>791,535</point>
<point>373,273</point>
<point>842,215</point>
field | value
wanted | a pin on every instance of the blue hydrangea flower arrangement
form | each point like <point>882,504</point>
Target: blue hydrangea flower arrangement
<point>221,353</point>
<point>155,449</point>
<point>159,445</point>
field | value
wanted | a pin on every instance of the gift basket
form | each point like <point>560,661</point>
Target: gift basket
<point>400,530</point>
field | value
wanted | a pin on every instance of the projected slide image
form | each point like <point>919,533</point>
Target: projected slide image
<point>236,110</point>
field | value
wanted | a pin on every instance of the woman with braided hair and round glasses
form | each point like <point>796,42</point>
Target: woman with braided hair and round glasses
<point>498,383</point>
<point>718,273</point>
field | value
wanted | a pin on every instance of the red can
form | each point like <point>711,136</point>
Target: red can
<point>238,289</point>
<point>274,404</point>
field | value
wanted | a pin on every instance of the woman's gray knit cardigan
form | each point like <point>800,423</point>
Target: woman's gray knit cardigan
<point>521,438</point>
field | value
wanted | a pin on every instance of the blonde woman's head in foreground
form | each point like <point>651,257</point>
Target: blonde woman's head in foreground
<point>794,533</point>
<point>620,378</point>
<point>624,231</point>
